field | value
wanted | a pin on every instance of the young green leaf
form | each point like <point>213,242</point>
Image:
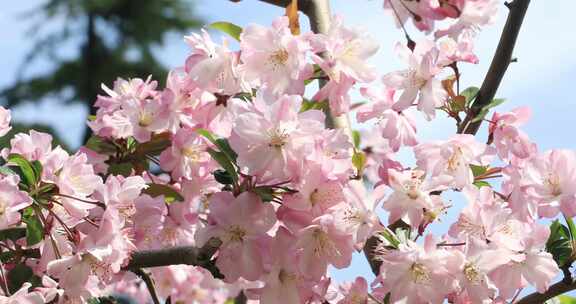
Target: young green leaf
<point>225,162</point>
<point>34,230</point>
<point>25,166</point>
<point>170,194</point>
<point>470,94</point>
<point>231,29</point>
<point>19,275</point>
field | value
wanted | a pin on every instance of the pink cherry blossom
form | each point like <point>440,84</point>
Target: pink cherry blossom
<point>77,181</point>
<point>453,158</point>
<point>508,138</point>
<point>474,15</point>
<point>241,224</point>
<point>324,243</point>
<point>396,126</point>
<point>415,274</point>
<point>213,67</point>
<point>356,292</point>
<point>187,156</point>
<point>267,143</point>
<point>24,296</point>
<point>5,118</point>
<point>417,11</point>
<point>412,196</point>
<point>548,180</point>
<point>316,193</point>
<point>274,58</point>
<point>283,279</point>
<point>11,201</point>
<point>119,193</point>
<point>531,266</point>
<point>419,82</point>
<point>358,215</point>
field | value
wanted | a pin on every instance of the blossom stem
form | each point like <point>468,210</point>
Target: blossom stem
<point>99,204</point>
<point>149,284</point>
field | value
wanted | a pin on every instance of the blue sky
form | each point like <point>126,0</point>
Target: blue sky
<point>543,78</point>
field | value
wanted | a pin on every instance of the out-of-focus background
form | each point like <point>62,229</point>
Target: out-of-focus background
<point>55,53</point>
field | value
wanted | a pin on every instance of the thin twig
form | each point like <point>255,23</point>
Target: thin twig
<point>149,284</point>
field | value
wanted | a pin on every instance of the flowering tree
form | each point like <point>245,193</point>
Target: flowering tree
<point>230,184</point>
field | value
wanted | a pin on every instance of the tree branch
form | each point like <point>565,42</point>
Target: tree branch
<point>498,67</point>
<point>186,255</point>
<point>554,290</point>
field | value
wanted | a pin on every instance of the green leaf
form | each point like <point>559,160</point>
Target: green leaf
<point>7,171</point>
<point>100,145</point>
<point>478,170</point>
<point>223,177</point>
<point>224,147</point>
<point>571,227</point>
<point>564,300</point>
<point>390,237</point>
<point>312,105</point>
<point>231,29</point>
<point>25,166</point>
<point>19,275</point>
<point>559,244</point>
<point>37,167</point>
<point>157,144</point>
<point>470,94</point>
<point>34,230</point>
<point>207,134</point>
<point>356,138</point>
<point>13,234</point>
<point>170,194</point>
<point>494,103</point>
<point>481,184</point>
<point>225,162</point>
<point>124,169</point>
<point>359,160</point>
<point>265,193</point>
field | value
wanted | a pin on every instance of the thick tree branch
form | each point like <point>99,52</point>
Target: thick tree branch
<point>187,255</point>
<point>554,290</point>
<point>498,67</point>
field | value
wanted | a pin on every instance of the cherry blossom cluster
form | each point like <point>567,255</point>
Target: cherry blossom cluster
<point>234,157</point>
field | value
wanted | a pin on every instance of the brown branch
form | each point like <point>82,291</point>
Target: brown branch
<point>186,255</point>
<point>554,290</point>
<point>498,67</point>
<point>303,5</point>
<point>149,284</point>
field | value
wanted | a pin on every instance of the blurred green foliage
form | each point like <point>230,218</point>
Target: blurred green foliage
<point>108,39</point>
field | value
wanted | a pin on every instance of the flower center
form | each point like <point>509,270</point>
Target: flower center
<point>145,119</point>
<point>455,160</point>
<point>192,153</point>
<point>236,233</point>
<point>278,138</point>
<point>278,58</point>
<point>419,273</point>
<point>552,181</point>
<point>472,273</point>
<point>285,276</point>
<point>3,206</point>
<point>414,80</point>
<point>322,243</point>
<point>412,188</point>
